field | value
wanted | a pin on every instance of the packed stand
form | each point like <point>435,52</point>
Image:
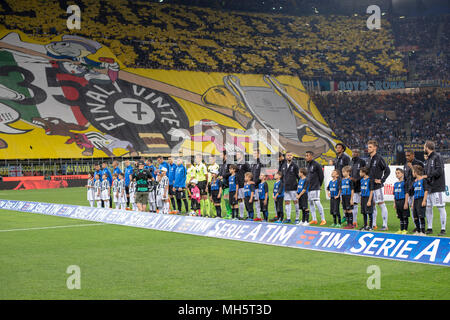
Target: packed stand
<point>391,118</point>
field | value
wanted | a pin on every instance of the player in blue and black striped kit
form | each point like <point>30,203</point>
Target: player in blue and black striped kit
<point>366,198</point>
<point>263,195</point>
<point>334,192</point>
<point>347,194</point>
<point>401,201</point>
<point>278,197</point>
<point>420,187</point>
<point>302,196</point>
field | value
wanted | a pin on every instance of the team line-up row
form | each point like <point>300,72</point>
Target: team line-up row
<point>243,188</point>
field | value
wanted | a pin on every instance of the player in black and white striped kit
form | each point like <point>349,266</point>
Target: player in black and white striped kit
<point>90,190</point>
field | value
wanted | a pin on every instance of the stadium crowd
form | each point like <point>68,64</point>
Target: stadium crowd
<point>165,36</point>
<point>388,118</point>
<point>241,186</point>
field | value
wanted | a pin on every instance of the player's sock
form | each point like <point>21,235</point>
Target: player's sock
<point>374,214</point>
<point>297,211</point>
<point>106,203</point>
<point>202,207</point>
<point>370,219</point>
<point>355,213</point>
<point>365,220</point>
<point>257,209</point>
<point>405,223</point>
<point>384,214</point>
<point>91,203</point>
<point>266,215</point>
<point>320,208</point>
<point>350,216</point>
<point>219,211</point>
<point>443,215</point>
<point>288,211</point>
<point>339,218</point>
<point>186,205</point>
<point>208,207</point>
<point>241,209</point>
<point>334,218</point>
<point>312,208</point>
<point>227,206</point>
<point>99,204</point>
<point>429,216</point>
<point>422,224</point>
<point>172,201</point>
<point>417,224</point>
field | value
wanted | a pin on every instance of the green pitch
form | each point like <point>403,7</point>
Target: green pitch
<point>119,262</point>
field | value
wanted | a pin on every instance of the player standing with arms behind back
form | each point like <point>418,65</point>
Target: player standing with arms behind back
<point>378,172</point>
<point>289,170</point>
<point>435,176</point>
<point>314,181</point>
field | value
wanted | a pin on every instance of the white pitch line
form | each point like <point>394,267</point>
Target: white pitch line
<point>55,227</point>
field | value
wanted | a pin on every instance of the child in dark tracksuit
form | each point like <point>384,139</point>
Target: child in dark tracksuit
<point>278,197</point>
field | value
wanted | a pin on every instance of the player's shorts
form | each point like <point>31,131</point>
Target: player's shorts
<point>314,195</point>
<point>105,195</point>
<point>256,193</point>
<point>290,195</point>
<point>233,201</point>
<point>159,202</point>
<point>180,194</point>
<point>151,196</point>
<point>401,212</point>
<point>378,196</point>
<point>364,208</point>
<point>241,193</point>
<point>263,207</point>
<point>202,186</point>
<point>303,202</point>
<point>436,199</point>
<point>418,210</point>
<point>346,203</point>
<point>334,205</point>
<point>357,198</point>
<point>214,194</point>
<point>248,205</point>
<point>160,194</point>
<point>142,197</point>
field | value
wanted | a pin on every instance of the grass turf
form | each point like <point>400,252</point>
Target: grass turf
<point>119,262</point>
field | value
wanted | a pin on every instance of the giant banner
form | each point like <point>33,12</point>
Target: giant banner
<point>70,97</point>
<point>429,250</point>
